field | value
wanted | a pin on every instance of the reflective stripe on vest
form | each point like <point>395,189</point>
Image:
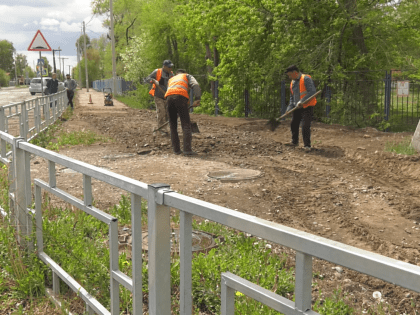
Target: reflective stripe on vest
<point>158,77</point>
<point>178,85</point>
<point>302,91</point>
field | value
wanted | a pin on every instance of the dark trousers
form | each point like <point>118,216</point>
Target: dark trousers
<point>304,114</point>
<point>70,95</point>
<point>178,105</point>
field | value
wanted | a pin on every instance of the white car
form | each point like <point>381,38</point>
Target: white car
<point>35,86</point>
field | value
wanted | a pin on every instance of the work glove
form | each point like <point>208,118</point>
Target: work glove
<point>155,82</point>
<point>290,107</point>
<point>196,103</point>
<point>298,104</point>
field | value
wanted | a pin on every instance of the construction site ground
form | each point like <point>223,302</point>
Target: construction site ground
<point>347,189</point>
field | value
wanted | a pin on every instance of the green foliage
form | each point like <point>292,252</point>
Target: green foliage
<point>333,305</point>
<point>122,211</point>
<point>6,56</point>
<point>401,147</point>
<point>139,98</point>
<point>4,78</point>
<point>74,138</point>
<point>206,105</point>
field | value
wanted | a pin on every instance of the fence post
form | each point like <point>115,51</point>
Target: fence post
<point>185,253</point>
<point>136,234</point>
<point>20,191</point>
<point>303,286</point>
<point>216,93</point>
<point>328,99</point>
<point>387,97</point>
<point>2,120</point>
<point>159,253</point>
<point>22,120</point>
<point>228,299</point>
<point>283,97</point>
<point>246,93</point>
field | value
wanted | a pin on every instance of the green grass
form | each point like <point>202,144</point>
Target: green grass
<point>138,99</point>
<point>402,147</point>
<point>54,139</point>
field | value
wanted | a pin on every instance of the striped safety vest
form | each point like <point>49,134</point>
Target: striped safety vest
<point>158,77</point>
<point>178,85</point>
<point>302,90</point>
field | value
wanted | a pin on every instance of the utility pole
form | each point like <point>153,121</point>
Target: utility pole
<point>54,50</point>
<point>16,78</point>
<point>59,62</point>
<point>70,70</point>
<point>64,69</point>
<point>86,68</point>
<point>114,66</point>
<point>80,66</point>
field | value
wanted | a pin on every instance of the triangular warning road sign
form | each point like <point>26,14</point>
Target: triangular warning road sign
<point>39,43</point>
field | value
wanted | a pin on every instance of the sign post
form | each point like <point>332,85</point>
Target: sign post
<point>40,44</point>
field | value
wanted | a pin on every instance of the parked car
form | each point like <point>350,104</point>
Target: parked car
<point>35,86</point>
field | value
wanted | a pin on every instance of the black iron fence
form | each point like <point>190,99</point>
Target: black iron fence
<point>359,99</point>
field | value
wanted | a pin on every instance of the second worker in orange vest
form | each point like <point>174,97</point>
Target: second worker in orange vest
<point>161,76</point>
<point>177,98</point>
<point>302,87</point>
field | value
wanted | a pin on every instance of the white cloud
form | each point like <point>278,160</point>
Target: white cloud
<point>49,22</point>
<point>26,24</point>
<point>35,22</point>
<point>96,26</point>
<point>66,27</point>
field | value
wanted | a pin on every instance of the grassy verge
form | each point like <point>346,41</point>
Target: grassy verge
<point>54,139</point>
<point>403,147</point>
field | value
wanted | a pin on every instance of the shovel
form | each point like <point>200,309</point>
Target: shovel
<point>194,126</point>
<point>275,122</point>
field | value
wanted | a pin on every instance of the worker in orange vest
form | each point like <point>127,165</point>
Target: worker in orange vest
<point>301,87</point>
<point>161,77</point>
<point>178,97</point>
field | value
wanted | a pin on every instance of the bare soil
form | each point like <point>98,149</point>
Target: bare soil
<point>347,189</point>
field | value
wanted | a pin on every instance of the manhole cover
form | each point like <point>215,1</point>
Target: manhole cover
<point>234,175</point>
<point>201,241</point>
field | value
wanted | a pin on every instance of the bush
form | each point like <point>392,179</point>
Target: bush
<point>206,105</point>
<point>4,78</point>
<point>139,98</point>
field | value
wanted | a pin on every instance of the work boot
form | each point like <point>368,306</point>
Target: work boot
<point>190,153</point>
<point>291,144</point>
<point>178,152</point>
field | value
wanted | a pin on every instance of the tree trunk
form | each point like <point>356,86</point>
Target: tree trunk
<point>210,69</point>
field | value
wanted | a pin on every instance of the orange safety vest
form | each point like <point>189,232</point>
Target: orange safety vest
<point>302,90</point>
<point>178,85</point>
<point>158,77</point>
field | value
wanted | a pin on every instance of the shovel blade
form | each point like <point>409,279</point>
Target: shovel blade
<point>194,127</point>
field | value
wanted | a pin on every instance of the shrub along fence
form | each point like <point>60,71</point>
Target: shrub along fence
<point>160,198</point>
<point>122,85</point>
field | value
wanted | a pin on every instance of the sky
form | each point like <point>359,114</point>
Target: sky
<point>60,21</point>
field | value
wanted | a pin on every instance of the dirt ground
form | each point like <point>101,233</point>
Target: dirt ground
<point>347,189</point>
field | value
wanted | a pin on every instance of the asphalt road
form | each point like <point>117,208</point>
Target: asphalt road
<point>10,95</point>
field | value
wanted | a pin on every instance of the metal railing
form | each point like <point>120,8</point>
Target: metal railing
<point>32,116</point>
<point>160,198</point>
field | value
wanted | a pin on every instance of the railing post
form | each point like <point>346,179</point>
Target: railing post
<point>136,234</point>
<point>228,299</point>
<point>37,117</point>
<point>283,97</point>
<point>159,253</point>
<point>303,286</point>
<point>20,192</point>
<point>185,238</point>
<point>22,121</point>
<point>2,120</point>
<point>113,261</point>
<point>46,110</point>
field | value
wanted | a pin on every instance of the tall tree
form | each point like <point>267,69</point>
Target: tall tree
<point>6,55</point>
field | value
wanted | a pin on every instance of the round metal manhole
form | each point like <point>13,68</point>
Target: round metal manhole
<point>201,241</point>
<point>234,175</point>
